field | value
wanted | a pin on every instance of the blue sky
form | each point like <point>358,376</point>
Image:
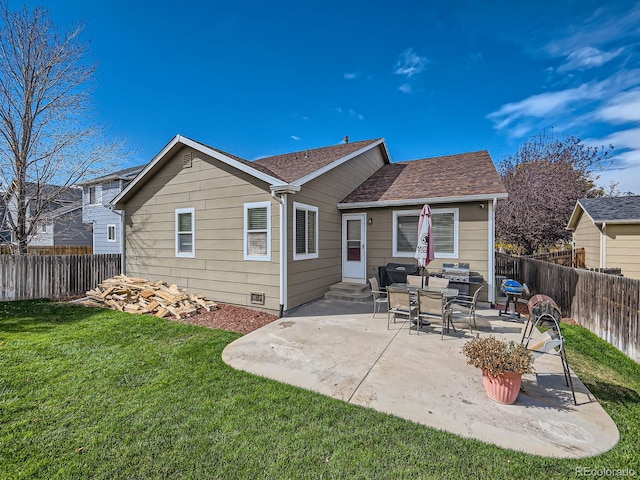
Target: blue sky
<point>432,78</point>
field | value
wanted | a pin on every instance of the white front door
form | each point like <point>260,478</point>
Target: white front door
<point>354,240</point>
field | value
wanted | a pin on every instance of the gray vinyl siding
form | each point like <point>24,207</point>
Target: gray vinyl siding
<point>217,193</point>
<point>473,247</point>
<point>310,279</point>
<point>101,216</point>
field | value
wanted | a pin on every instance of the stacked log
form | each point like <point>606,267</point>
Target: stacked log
<point>138,295</point>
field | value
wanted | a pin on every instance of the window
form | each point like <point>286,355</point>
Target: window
<point>445,232</point>
<point>185,233</point>
<point>305,228</point>
<point>94,195</point>
<point>257,231</point>
<point>42,228</point>
<point>111,233</point>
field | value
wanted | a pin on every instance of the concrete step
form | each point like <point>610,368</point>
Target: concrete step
<point>350,292</point>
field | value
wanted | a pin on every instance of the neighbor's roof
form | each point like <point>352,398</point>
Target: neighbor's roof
<point>288,170</point>
<point>125,174</point>
<point>462,177</point>
<point>607,210</point>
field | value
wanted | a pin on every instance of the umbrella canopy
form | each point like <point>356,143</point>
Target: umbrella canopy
<point>425,249</point>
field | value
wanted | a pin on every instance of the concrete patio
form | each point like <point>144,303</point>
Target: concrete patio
<point>337,349</point>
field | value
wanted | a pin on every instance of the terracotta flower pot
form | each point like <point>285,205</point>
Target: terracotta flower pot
<point>503,389</point>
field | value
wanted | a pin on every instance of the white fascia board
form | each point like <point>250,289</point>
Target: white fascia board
<point>422,201</point>
<point>315,174</point>
<point>202,149</point>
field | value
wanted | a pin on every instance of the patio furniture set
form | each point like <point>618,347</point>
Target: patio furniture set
<point>420,303</point>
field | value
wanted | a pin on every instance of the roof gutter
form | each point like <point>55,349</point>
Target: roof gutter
<point>422,201</point>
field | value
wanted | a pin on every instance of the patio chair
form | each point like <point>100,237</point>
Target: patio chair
<point>414,280</point>
<point>399,304</point>
<point>433,305</point>
<point>438,282</point>
<point>379,296</point>
<point>466,304</point>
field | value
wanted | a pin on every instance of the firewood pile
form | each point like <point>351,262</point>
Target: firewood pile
<point>138,295</point>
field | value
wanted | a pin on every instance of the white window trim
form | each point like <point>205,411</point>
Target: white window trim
<point>257,258</point>
<point>456,232</point>
<point>305,256</point>
<point>192,253</point>
<point>115,233</point>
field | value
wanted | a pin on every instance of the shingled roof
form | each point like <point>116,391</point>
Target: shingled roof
<point>607,210</point>
<point>294,166</point>
<point>450,178</point>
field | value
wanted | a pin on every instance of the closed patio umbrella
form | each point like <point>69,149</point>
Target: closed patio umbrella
<point>425,249</point>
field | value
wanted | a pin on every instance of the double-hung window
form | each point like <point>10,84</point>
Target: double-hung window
<point>257,231</point>
<point>185,232</point>
<point>445,232</point>
<point>305,228</point>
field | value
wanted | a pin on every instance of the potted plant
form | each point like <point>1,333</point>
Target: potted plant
<point>502,362</point>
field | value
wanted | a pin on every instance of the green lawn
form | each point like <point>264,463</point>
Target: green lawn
<point>88,393</point>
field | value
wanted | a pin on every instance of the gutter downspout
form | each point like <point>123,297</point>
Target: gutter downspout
<point>492,250</point>
<point>603,246</point>
<point>282,200</point>
<point>123,262</point>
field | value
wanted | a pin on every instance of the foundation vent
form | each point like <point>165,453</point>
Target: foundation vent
<point>257,298</point>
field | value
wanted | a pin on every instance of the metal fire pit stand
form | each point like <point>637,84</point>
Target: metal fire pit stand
<point>543,311</point>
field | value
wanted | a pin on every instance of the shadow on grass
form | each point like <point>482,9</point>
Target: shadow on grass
<point>613,393</point>
<point>38,316</point>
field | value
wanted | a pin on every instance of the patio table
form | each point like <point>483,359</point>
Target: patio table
<point>447,292</point>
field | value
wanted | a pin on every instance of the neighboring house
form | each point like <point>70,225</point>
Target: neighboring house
<point>213,222</point>
<point>608,228</point>
<point>5,233</point>
<point>106,223</point>
<point>60,222</point>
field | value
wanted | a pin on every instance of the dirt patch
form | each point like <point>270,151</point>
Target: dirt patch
<point>230,317</point>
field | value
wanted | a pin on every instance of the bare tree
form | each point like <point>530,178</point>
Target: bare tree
<point>544,179</point>
<point>47,140</point>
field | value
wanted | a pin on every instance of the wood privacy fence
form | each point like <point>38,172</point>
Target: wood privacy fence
<point>607,305</point>
<point>24,277</point>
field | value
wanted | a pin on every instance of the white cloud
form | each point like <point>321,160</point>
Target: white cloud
<point>624,107</point>
<point>604,26</point>
<point>405,88</point>
<point>542,105</point>
<point>355,114</point>
<point>350,76</point>
<point>588,57</point>
<point>295,137</point>
<point>409,63</point>
<point>622,139</point>
<point>571,106</point>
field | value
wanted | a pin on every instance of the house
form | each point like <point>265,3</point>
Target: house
<point>58,223</point>
<point>279,231</point>
<point>106,223</point>
<point>608,228</point>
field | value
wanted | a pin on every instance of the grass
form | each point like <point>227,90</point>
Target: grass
<point>88,393</point>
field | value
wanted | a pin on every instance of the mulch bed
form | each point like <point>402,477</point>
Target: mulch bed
<point>230,317</point>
